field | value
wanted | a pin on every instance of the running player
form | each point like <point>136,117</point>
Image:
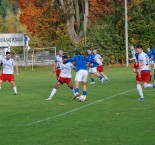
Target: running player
<point>64,77</point>
<point>93,68</point>
<point>82,73</point>
<point>8,65</point>
<point>144,70</point>
<point>58,60</point>
<point>100,68</point>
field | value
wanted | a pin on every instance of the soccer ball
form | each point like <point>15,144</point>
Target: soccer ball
<point>82,98</point>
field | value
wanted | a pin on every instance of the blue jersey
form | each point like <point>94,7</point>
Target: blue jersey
<point>81,62</point>
<point>153,54</point>
<point>91,56</point>
<point>149,54</point>
<point>136,55</point>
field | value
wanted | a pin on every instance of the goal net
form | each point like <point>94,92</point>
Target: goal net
<point>43,56</point>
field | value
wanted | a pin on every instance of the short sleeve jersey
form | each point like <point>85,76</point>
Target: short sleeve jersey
<point>98,58</point>
<point>8,65</point>
<point>58,61</point>
<point>144,57</point>
<point>66,70</point>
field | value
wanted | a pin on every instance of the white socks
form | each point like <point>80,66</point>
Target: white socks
<point>106,78</point>
<point>15,90</point>
<point>53,92</point>
<point>140,91</point>
<point>148,86</point>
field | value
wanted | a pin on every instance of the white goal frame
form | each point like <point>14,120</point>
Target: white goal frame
<point>33,53</point>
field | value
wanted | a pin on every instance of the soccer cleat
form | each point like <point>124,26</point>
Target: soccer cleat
<point>75,96</point>
<point>49,99</point>
<point>15,94</point>
<point>102,80</point>
<point>140,99</point>
<point>107,80</point>
<point>92,83</point>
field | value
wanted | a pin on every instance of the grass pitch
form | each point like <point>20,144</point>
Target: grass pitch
<point>112,115</point>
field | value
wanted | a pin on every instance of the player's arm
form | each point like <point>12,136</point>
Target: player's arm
<point>69,60</point>
<point>141,64</point>
<point>17,70</point>
<point>54,65</point>
<point>1,64</point>
<point>91,61</point>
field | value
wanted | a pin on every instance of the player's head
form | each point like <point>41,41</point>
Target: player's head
<point>60,53</point>
<point>64,57</point>
<point>88,51</point>
<point>95,51</point>
<point>148,49</point>
<point>8,55</point>
<point>77,53</point>
<point>131,47</point>
<point>139,48</point>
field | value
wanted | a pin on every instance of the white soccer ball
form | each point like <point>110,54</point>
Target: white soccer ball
<point>82,98</point>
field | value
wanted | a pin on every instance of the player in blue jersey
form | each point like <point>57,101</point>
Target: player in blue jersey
<point>81,72</point>
<point>93,68</point>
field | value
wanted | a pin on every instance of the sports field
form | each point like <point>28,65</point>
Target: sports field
<point>112,115</point>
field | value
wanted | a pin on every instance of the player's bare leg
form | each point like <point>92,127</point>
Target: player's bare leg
<point>1,84</point>
<point>99,76</point>
<point>76,90</point>
<point>84,88</point>
<point>91,77</point>
<point>102,74</point>
<point>57,85</point>
<point>71,87</point>
<point>14,87</point>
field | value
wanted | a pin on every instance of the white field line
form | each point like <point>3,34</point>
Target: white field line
<point>76,109</point>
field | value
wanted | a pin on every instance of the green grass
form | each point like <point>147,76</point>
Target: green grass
<point>119,120</point>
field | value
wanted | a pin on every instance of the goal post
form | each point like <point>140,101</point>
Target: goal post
<point>41,56</point>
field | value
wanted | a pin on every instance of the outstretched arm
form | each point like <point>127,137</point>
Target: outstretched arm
<point>70,60</point>
<point>91,61</point>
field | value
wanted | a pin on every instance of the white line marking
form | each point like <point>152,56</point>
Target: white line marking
<point>76,109</point>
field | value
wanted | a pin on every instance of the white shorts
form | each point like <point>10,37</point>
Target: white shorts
<point>81,76</point>
<point>93,70</point>
<point>154,66</point>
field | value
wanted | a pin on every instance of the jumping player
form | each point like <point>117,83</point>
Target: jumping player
<point>82,73</point>
<point>58,60</point>
<point>93,68</point>
<point>64,77</point>
<point>144,70</point>
<point>8,65</point>
<point>100,68</point>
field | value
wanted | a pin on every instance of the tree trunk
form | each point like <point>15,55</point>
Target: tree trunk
<point>71,9</point>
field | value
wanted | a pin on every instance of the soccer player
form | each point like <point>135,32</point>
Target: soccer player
<point>58,60</point>
<point>144,70</point>
<point>81,72</point>
<point>8,65</point>
<point>133,52</point>
<point>100,68</point>
<point>153,58</point>
<point>64,77</point>
<point>93,68</point>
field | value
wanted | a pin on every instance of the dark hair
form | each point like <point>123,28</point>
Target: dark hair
<point>77,53</point>
<point>64,57</point>
<point>139,46</point>
<point>8,53</point>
